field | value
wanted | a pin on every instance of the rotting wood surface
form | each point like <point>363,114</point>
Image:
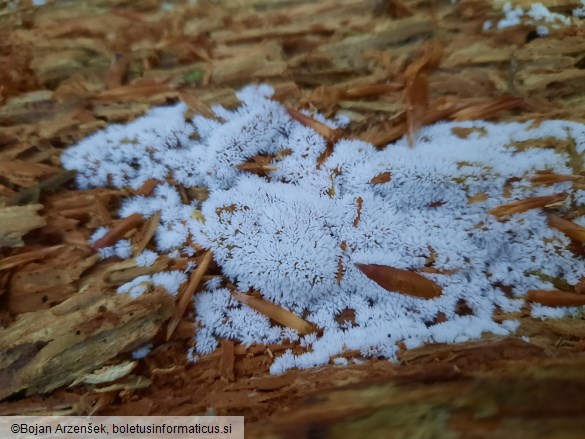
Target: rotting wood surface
<point>63,75</point>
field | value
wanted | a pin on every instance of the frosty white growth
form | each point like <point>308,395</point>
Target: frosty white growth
<point>296,235</point>
<point>538,14</point>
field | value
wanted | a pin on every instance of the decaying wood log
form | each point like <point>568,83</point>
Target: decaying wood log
<point>16,221</point>
<point>58,85</point>
<point>47,349</point>
<point>534,401</point>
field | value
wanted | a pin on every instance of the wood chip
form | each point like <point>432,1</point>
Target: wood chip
<point>330,134</point>
<point>17,221</point>
<point>107,374</point>
<point>137,91</point>
<point>23,258</point>
<point>115,75</point>
<point>416,97</point>
<point>145,233</point>
<point>226,363</point>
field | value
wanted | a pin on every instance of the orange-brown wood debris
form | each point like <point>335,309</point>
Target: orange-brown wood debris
<point>68,69</point>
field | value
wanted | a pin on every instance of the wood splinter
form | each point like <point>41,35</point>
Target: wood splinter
<point>187,293</point>
<point>275,312</point>
<point>118,231</point>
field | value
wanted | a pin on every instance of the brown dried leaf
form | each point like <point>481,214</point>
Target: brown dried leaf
<point>572,230</point>
<point>527,204</point>
<point>275,312</point>
<point>401,281</point>
<point>381,134</point>
<point>555,298</point>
